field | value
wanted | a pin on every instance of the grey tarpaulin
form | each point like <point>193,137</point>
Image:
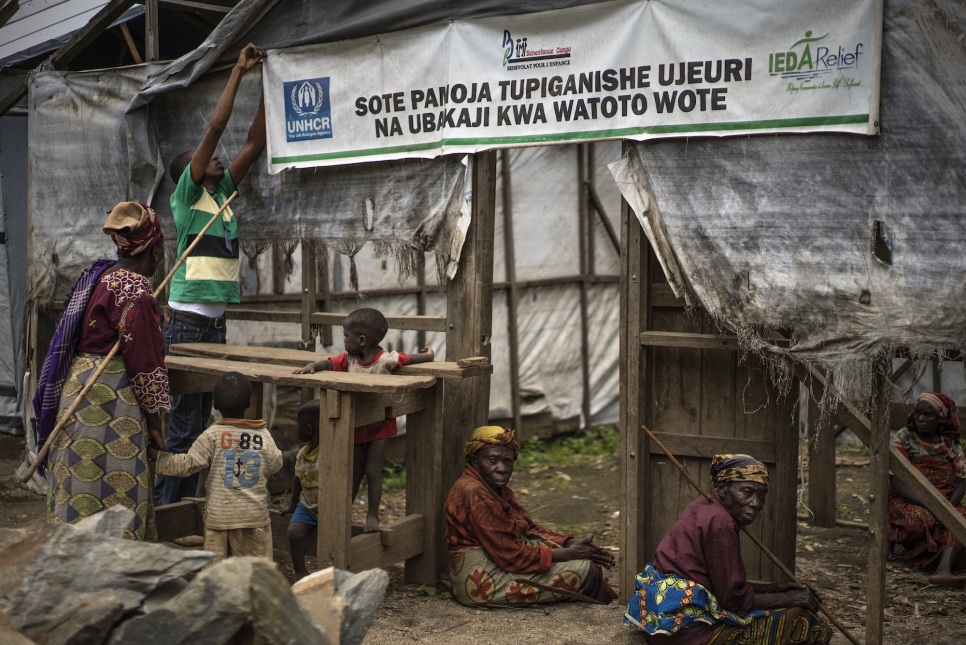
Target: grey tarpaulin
<point>91,131</point>
<point>777,232</point>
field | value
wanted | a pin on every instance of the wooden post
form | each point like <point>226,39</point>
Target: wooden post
<point>583,228</point>
<point>323,293</point>
<point>469,313</point>
<point>336,429</point>
<point>509,260</point>
<point>152,40</point>
<point>821,466</point>
<point>309,295</point>
<point>424,491</point>
<point>879,496</point>
<point>633,371</point>
<point>421,296</point>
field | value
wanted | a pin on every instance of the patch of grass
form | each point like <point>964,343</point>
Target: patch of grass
<point>564,451</point>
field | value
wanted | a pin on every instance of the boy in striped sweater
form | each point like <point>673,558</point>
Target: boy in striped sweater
<point>240,455</point>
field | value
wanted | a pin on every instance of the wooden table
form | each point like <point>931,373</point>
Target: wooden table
<point>349,400</point>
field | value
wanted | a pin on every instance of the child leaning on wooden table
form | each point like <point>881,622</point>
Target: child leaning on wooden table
<point>240,455</point>
<point>363,330</point>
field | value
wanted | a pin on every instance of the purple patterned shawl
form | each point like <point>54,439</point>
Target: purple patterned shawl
<point>62,349</point>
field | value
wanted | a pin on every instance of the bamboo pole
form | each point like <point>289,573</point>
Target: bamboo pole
<point>42,454</point>
<point>778,563</point>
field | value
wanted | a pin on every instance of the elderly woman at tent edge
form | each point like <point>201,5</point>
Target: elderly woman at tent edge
<point>493,542</point>
<point>99,459</point>
<point>696,591</point>
<point>930,441</point>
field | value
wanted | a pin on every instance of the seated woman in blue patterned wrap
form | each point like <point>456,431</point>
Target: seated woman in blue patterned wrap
<point>695,590</point>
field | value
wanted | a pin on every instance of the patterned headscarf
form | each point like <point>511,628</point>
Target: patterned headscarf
<point>133,227</point>
<point>491,436</point>
<point>945,409</point>
<point>737,468</point>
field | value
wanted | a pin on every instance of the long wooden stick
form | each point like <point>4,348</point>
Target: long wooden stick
<point>764,549</point>
<point>42,454</point>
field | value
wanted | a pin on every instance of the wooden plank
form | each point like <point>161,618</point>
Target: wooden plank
<point>821,467</point>
<point>371,408</point>
<point>294,358</point>
<point>178,519</point>
<point>395,542</point>
<point>633,363</point>
<point>282,375</point>
<point>469,313</point>
<point>135,54</point>
<point>336,425</point>
<point>878,496</point>
<point>152,41</point>
<point>197,6</point>
<point>263,315</point>
<point>255,409</point>
<point>414,323</point>
<point>509,263</point>
<point>694,445</point>
<point>860,425</point>
<point>780,526</point>
<point>8,8</point>
<point>425,493</point>
<point>694,340</point>
<point>78,42</point>
<point>662,296</point>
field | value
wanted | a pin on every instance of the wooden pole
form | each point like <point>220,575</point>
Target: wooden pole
<point>764,549</point>
<point>509,261</point>
<point>583,229</point>
<point>152,41</point>
<point>821,466</point>
<point>469,325</point>
<point>879,447</point>
<point>114,350</point>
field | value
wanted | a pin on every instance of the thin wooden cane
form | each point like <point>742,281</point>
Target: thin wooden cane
<point>42,454</point>
<point>771,556</point>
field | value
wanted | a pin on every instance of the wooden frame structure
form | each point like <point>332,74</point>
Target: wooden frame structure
<point>346,401</point>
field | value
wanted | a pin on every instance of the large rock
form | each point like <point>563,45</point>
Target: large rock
<point>49,574</point>
<point>342,602</point>
<point>238,598</point>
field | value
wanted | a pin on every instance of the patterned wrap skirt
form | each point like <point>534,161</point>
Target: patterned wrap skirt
<point>667,604</point>
<point>477,580</point>
<point>99,459</point>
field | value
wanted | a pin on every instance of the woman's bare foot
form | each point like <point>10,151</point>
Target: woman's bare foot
<point>947,580</point>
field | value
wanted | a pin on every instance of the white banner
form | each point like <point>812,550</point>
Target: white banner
<point>631,69</point>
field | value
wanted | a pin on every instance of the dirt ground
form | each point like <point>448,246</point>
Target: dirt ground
<point>583,500</point>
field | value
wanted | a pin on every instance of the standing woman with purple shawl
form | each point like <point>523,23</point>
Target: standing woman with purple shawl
<point>99,459</point>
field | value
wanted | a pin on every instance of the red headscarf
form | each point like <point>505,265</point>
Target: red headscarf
<point>945,409</point>
<point>133,227</point>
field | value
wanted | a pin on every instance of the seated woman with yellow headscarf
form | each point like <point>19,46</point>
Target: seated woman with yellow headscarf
<point>498,555</point>
<point>695,590</point>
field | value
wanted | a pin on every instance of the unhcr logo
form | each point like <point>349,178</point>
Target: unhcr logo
<point>307,111</point>
<point>810,57</point>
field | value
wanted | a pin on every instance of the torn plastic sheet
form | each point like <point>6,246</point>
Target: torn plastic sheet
<point>77,120</point>
<point>854,244</point>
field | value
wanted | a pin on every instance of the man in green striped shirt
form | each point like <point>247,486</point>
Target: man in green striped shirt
<point>208,280</point>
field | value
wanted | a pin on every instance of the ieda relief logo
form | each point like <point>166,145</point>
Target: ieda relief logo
<point>307,111</point>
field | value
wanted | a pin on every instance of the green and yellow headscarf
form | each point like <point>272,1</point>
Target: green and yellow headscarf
<point>491,436</point>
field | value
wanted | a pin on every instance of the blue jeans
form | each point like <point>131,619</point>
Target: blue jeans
<point>189,412</point>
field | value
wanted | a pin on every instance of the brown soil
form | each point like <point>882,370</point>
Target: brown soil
<point>584,500</point>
